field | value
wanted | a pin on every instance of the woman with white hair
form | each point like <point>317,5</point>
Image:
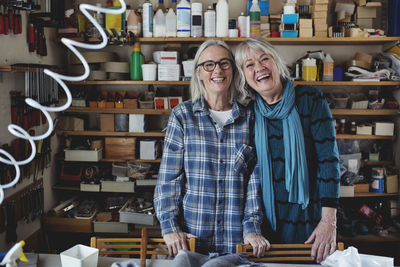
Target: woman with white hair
<point>296,151</point>
<point>206,187</point>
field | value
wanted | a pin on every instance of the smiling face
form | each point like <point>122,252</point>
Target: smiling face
<point>262,74</point>
<point>216,82</point>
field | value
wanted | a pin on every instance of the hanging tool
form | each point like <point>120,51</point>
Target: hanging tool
<point>31,37</point>
<point>1,22</point>
<point>5,19</point>
<point>38,158</point>
<point>17,22</point>
<point>10,14</point>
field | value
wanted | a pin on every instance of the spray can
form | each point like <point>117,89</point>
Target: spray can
<point>255,20</point>
<point>209,22</point>
<point>222,19</point>
<point>197,20</point>
<point>147,19</point>
<point>136,63</point>
<point>183,19</point>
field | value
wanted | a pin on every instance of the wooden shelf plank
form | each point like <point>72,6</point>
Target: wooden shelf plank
<point>67,187</point>
<point>354,136</point>
<point>280,40</point>
<point>274,40</point>
<point>117,110</point>
<point>128,82</point>
<point>376,163</point>
<point>365,112</point>
<point>98,133</point>
<point>370,194</point>
<point>318,83</point>
<point>351,83</point>
<point>395,237</point>
<point>136,160</point>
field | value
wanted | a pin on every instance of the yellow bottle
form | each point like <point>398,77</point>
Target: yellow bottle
<point>309,69</point>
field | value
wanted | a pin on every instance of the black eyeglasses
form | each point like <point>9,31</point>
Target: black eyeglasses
<point>209,65</point>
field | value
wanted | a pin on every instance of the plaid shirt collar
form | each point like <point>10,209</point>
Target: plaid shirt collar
<point>238,110</point>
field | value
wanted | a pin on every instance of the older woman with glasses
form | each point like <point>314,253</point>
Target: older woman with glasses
<point>206,186</point>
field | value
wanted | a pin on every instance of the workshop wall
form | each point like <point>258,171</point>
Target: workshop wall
<point>14,49</point>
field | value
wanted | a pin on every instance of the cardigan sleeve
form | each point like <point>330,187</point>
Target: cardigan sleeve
<point>324,138</point>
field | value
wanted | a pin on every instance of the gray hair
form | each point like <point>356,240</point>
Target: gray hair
<point>196,85</point>
<point>267,48</point>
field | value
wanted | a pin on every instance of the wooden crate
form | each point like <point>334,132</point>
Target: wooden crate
<point>120,148</point>
<point>361,188</point>
<point>61,224</point>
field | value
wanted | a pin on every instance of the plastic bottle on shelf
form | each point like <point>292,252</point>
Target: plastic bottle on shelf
<point>100,20</point>
<point>134,22</point>
<point>170,27</point>
<point>222,20</point>
<point>209,22</point>
<point>147,19</point>
<point>183,19</point>
<point>328,68</point>
<point>243,25</point>
<point>255,20</point>
<point>136,63</point>
<point>197,20</point>
<point>159,24</point>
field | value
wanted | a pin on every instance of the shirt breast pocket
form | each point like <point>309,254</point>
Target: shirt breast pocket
<point>245,159</point>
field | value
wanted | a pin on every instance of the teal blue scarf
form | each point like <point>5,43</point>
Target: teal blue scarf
<point>296,172</point>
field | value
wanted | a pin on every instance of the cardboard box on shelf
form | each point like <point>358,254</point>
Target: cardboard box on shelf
<point>321,2</point>
<point>319,21</point>
<point>306,32</point>
<point>130,103</point>
<point>392,184</point>
<point>107,122</point>
<point>321,33</point>
<point>364,129</point>
<point>305,23</point>
<point>83,155</point>
<point>68,123</point>
<point>319,7</point>
<point>365,23</point>
<point>384,128</point>
<point>364,12</point>
<point>361,188</point>
<point>319,15</point>
<point>321,27</point>
<point>148,149</point>
<point>346,191</point>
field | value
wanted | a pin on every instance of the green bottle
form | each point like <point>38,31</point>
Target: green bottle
<point>136,63</point>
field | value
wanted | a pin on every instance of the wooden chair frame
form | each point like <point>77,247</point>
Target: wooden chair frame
<point>283,252</point>
<point>142,246</point>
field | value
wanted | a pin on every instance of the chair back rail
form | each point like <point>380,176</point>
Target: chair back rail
<point>127,246</point>
<point>283,252</point>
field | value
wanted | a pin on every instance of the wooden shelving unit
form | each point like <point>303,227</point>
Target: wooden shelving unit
<point>98,133</point>
<point>365,112</point>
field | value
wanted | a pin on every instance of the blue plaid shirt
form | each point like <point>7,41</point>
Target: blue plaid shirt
<point>206,185</point>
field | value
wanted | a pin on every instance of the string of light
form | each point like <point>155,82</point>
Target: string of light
<point>18,131</point>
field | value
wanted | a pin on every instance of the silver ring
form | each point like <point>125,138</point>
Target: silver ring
<point>328,245</point>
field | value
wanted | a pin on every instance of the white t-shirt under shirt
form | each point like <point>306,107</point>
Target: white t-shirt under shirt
<point>221,116</point>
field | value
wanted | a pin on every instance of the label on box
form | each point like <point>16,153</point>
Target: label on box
<point>161,103</point>
<point>174,101</point>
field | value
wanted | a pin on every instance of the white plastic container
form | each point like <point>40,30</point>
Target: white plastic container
<point>134,22</point>
<point>209,22</point>
<point>188,67</point>
<point>222,21</point>
<point>149,71</point>
<point>243,25</point>
<point>197,20</point>
<point>79,256</point>
<point>147,19</point>
<point>170,27</point>
<point>255,20</point>
<point>159,24</point>
<point>183,19</point>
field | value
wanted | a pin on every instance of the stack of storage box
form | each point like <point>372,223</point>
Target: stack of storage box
<point>320,15</point>
<point>366,13</point>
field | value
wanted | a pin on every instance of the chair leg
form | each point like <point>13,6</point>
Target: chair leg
<point>143,247</point>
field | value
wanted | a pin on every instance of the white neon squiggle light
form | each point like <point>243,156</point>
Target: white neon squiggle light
<point>18,131</point>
